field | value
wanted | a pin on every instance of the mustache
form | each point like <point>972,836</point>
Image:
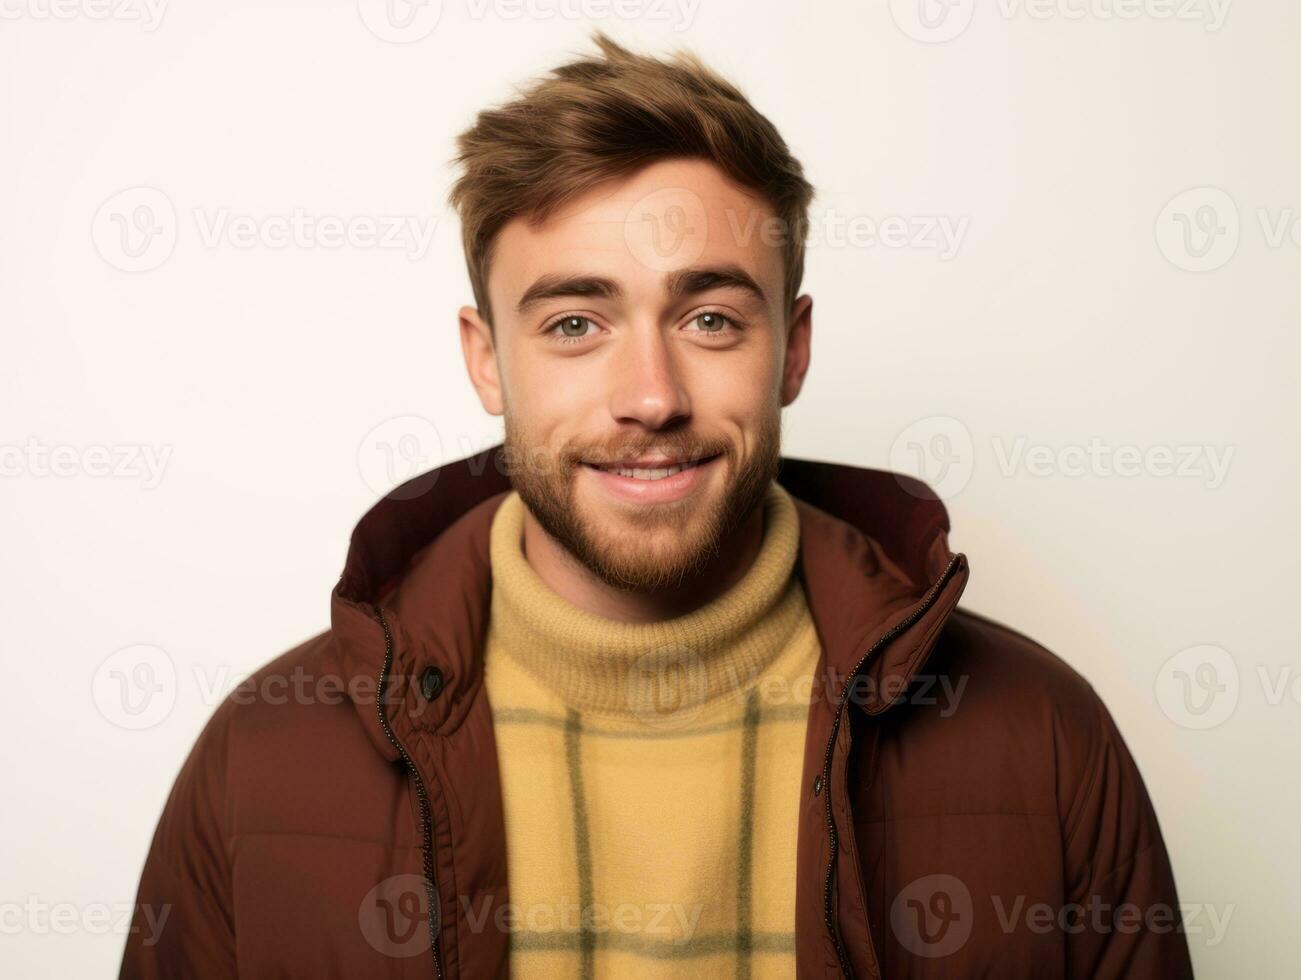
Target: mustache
<point>681,449</point>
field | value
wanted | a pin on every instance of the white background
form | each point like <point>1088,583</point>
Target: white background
<point>1073,312</point>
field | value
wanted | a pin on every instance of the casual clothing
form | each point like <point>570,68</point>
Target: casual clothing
<point>341,814</point>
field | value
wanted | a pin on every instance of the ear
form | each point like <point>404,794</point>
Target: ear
<point>799,339</point>
<point>480,350</point>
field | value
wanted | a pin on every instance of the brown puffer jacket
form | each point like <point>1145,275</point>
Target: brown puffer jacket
<point>969,808</point>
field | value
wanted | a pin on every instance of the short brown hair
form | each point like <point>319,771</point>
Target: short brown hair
<point>608,116</point>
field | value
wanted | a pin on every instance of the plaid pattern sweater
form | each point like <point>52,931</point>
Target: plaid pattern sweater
<point>651,771</point>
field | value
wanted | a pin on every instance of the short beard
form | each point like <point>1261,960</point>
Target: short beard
<point>546,481</point>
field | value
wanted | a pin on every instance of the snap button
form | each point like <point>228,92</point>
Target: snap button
<point>817,784</point>
<point>431,682</point>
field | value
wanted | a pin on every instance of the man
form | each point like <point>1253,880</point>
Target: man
<point>632,694</point>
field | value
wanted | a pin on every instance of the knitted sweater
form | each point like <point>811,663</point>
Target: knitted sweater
<point>651,771</point>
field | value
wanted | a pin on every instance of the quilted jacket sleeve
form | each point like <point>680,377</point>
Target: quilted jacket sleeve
<point>1118,875</point>
<point>182,925</point>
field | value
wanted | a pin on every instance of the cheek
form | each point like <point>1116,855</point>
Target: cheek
<point>741,385</point>
<point>734,407</point>
<point>550,407</point>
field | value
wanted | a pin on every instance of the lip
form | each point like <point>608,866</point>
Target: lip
<point>670,488</point>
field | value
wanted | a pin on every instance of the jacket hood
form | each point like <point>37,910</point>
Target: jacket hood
<point>877,570</point>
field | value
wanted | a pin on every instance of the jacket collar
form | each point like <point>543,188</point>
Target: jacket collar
<point>874,554</point>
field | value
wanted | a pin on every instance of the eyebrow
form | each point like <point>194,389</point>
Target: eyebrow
<point>683,282</point>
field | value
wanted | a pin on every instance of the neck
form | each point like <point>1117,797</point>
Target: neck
<point>572,580</point>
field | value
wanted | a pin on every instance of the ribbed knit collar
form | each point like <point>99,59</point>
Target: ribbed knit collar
<point>596,664</point>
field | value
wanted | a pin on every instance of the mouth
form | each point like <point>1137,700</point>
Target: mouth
<point>650,469</point>
<point>652,480</point>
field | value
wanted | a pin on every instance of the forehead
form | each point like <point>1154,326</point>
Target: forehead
<point>670,215</point>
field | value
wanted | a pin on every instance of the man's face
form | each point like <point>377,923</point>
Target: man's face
<point>643,324</point>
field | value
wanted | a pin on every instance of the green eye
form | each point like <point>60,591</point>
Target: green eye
<point>569,329</point>
<point>712,322</point>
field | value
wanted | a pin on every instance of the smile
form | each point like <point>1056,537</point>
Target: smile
<point>648,481</point>
<point>649,472</point>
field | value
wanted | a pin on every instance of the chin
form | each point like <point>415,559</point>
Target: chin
<point>645,557</point>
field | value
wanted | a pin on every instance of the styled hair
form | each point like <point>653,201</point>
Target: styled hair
<point>607,116</point>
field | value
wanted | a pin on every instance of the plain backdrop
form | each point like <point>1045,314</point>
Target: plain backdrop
<point>1055,263</point>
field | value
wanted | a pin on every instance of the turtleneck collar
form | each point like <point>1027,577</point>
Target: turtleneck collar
<point>596,664</point>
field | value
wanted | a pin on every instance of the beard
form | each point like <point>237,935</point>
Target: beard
<point>651,547</point>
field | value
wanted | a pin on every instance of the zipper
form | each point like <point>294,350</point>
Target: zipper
<point>426,823</point>
<point>828,913</point>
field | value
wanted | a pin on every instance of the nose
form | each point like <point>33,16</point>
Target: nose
<point>647,387</point>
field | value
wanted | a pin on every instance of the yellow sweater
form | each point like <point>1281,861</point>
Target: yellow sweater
<point>651,772</point>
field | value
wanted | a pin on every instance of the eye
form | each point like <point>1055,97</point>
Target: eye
<point>569,329</point>
<point>712,322</point>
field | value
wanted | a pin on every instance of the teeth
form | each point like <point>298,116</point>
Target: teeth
<point>658,473</point>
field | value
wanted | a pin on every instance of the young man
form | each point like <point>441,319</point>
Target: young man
<point>633,695</point>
